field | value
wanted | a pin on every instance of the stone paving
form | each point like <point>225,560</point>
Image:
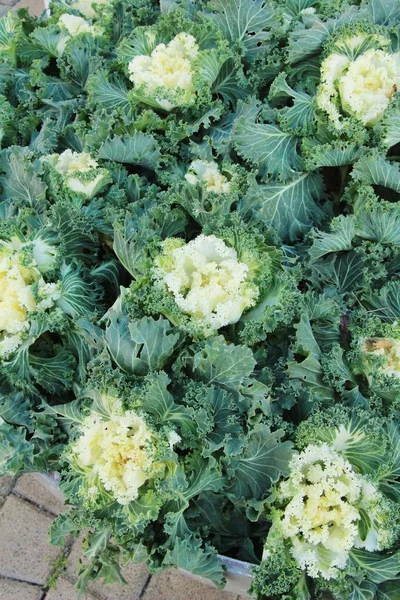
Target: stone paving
<point>32,569</point>
<point>35,8</point>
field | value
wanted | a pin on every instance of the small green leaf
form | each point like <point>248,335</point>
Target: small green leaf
<point>159,403</point>
<point>190,555</point>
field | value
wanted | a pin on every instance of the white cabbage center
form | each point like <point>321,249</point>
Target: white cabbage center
<point>207,280</point>
<point>79,172</point>
<point>118,451</point>
<point>75,25</point>
<point>362,88</point>
<point>170,67</point>
<point>209,175</point>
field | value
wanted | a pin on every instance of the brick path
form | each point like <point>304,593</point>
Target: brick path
<point>35,8</point>
<point>32,569</point>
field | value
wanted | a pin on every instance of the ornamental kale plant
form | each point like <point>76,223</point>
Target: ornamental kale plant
<point>199,285</point>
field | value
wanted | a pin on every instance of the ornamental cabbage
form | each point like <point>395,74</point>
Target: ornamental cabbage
<point>324,499</point>
<point>118,453</point>
<point>208,174</point>
<point>22,290</point>
<point>168,72</point>
<point>206,279</point>
<point>80,172</point>
<point>77,25</point>
<point>387,351</point>
<point>362,87</point>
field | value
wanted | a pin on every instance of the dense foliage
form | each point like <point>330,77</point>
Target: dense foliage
<point>199,284</point>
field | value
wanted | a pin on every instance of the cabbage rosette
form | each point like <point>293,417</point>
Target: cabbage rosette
<point>334,508</point>
<point>23,290</point>
<point>211,282</point>
<point>80,172</point>
<point>359,78</point>
<point>119,454</point>
<point>171,72</point>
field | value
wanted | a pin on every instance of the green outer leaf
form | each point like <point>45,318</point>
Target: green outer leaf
<point>344,271</point>
<point>139,149</point>
<point>390,124</point>
<point>264,461</point>
<point>385,304</point>
<point>274,151</point>
<point>227,85</point>
<point>389,590</point>
<point>384,12</point>
<point>51,41</point>
<point>16,453</point>
<point>110,94</point>
<point>70,413</point>
<point>119,342</point>
<point>129,246</point>
<point>340,238</point>
<point>365,590</point>
<point>299,117</point>
<point>310,373</point>
<point>390,476</point>
<point>289,208</point>
<point>15,409</point>
<point>54,373</point>
<point>329,155</point>
<point>22,185</point>
<point>378,568</point>
<point>380,225</point>
<point>76,296</point>
<point>155,339</point>
<point>374,169</point>
<point>244,21</point>
<point>224,364</point>
<point>140,346</point>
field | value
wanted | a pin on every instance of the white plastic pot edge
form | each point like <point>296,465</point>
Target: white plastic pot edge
<point>237,572</point>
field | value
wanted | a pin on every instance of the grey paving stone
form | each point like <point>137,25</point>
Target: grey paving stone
<point>6,482</point>
<point>65,590</point>
<point>15,590</point>
<point>25,552</point>
<point>135,575</point>
<point>36,7</point>
<point>8,2</point>
<point>171,585</point>
<point>3,10</point>
<point>29,486</point>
